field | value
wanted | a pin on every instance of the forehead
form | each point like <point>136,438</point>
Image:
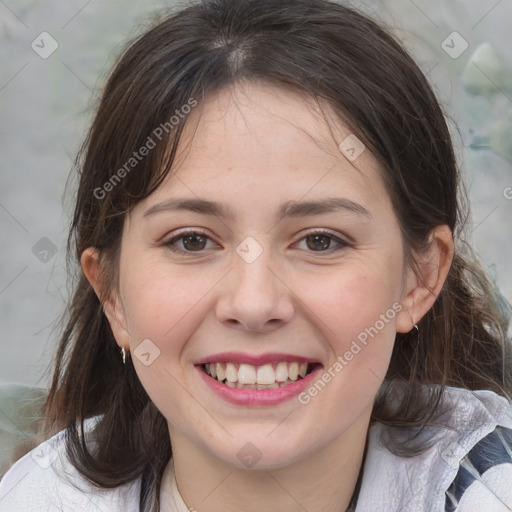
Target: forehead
<point>264,123</point>
<point>269,141</point>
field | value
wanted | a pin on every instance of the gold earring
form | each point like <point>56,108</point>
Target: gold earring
<point>123,355</point>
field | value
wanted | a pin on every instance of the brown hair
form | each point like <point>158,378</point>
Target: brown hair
<point>329,52</point>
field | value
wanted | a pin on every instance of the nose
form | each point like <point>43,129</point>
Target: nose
<point>254,297</point>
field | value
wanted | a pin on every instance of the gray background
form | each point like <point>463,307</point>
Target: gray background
<point>46,105</point>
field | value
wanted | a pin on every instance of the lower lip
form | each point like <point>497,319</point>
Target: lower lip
<point>258,397</point>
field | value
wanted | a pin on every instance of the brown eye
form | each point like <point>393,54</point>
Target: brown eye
<point>318,242</point>
<point>191,241</point>
<point>194,242</point>
<point>322,241</point>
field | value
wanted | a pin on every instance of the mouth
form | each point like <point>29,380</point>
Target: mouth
<point>262,377</point>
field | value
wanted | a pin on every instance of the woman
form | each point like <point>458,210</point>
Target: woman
<point>276,307</point>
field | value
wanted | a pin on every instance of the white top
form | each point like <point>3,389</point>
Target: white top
<point>466,444</point>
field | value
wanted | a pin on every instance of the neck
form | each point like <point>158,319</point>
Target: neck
<point>320,482</point>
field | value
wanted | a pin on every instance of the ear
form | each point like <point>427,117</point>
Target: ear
<point>421,291</point>
<point>112,306</point>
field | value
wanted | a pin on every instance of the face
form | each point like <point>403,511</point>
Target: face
<point>295,305</point>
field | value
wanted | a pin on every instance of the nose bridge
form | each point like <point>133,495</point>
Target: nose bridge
<point>254,276</point>
<point>255,296</point>
<point>253,279</point>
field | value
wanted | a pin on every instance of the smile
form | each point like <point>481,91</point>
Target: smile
<point>266,376</point>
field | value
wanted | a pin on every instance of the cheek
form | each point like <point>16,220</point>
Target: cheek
<point>358,310</point>
<point>354,301</point>
<point>165,307</point>
<point>158,301</point>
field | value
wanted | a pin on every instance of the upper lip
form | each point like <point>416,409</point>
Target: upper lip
<point>255,360</point>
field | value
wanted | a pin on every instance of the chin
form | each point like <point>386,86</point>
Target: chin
<point>262,451</point>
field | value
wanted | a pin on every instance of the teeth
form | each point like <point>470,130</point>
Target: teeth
<point>275,385</point>
<point>293,372</point>
<point>266,374</point>
<point>219,371</point>
<point>282,372</point>
<point>231,373</point>
<point>247,386</point>
<point>248,376</point>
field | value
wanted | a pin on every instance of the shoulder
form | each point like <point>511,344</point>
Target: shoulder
<point>45,480</point>
<point>480,455</point>
<point>467,456</point>
<point>484,476</point>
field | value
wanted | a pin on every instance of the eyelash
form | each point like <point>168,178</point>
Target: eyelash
<point>171,243</point>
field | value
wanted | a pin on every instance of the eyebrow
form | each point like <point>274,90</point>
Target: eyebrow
<point>287,209</point>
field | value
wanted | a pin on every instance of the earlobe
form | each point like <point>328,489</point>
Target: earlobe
<point>90,262</point>
<point>424,284</point>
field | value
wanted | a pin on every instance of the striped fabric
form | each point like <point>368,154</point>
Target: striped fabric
<point>484,476</point>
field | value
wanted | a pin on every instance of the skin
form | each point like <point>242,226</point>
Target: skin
<point>252,147</point>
